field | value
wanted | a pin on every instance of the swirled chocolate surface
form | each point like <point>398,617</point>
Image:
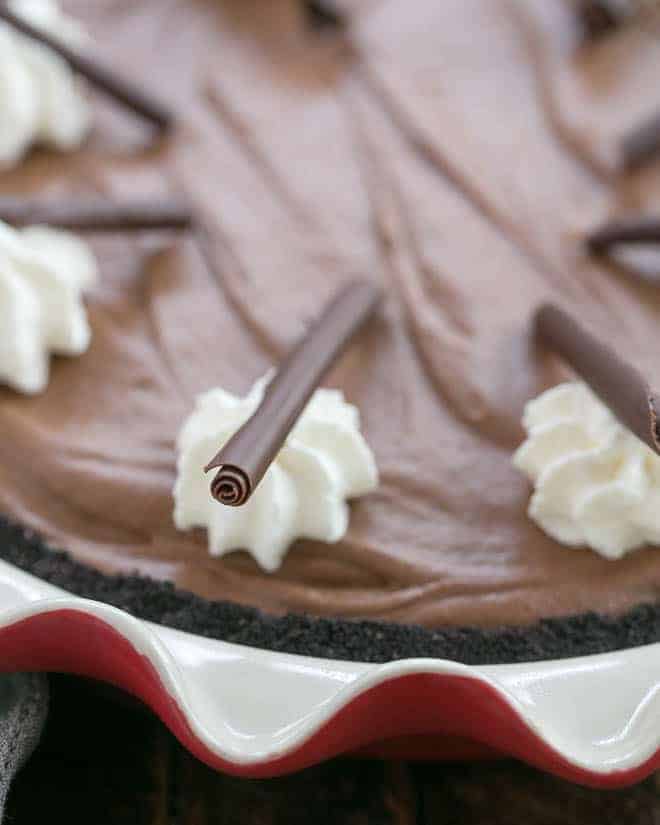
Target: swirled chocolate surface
<point>455,151</point>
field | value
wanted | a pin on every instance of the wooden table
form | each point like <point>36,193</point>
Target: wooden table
<point>105,761</point>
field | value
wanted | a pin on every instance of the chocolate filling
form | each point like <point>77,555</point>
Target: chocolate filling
<point>462,187</point>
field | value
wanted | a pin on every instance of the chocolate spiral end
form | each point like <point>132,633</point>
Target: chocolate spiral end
<point>231,486</point>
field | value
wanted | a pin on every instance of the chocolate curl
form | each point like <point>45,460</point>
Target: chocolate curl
<point>617,383</point>
<point>641,145</point>
<point>244,459</point>
<point>324,14</point>
<point>97,216</point>
<point>602,17</point>
<point>106,80</point>
<point>638,231</point>
<point>599,17</point>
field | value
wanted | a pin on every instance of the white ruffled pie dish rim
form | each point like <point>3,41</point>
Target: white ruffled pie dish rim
<point>252,712</point>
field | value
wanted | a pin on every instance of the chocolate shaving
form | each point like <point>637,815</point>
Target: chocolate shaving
<point>599,17</point>
<point>617,383</point>
<point>324,14</point>
<point>637,231</point>
<point>603,17</point>
<point>103,78</point>
<point>641,145</point>
<point>244,459</point>
<point>97,216</point>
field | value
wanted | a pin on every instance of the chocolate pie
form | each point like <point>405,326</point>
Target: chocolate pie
<point>456,153</point>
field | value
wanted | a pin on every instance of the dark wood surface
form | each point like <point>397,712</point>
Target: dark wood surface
<point>105,761</point>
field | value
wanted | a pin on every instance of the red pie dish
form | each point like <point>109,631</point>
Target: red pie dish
<point>254,712</point>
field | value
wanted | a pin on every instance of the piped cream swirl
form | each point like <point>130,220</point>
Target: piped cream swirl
<point>43,273</point>
<point>595,484</point>
<point>41,100</point>
<point>324,461</point>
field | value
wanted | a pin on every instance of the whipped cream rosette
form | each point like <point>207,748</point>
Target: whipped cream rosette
<point>596,484</point>
<point>41,100</point>
<point>43,274</point>
<point>324,461</point>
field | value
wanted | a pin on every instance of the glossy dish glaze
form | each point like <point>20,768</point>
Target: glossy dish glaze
<point>254,713</point>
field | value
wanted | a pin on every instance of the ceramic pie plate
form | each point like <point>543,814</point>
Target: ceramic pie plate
<point>255,713</point>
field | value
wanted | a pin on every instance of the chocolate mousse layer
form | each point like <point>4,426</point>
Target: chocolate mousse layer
<point>431,146</point>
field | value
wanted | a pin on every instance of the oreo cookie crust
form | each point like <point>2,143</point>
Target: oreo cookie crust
<point>357,641</point>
